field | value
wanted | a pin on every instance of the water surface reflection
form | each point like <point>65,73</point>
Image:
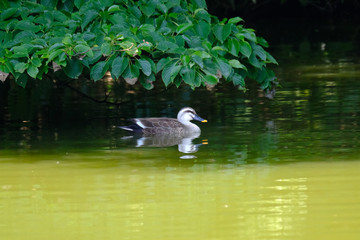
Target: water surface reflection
<point>184,143</point>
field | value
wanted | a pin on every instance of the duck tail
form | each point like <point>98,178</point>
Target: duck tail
<point>132,128</point>
<point>127,128</point>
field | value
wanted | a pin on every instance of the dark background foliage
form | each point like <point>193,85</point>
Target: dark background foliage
<point>315,9</point>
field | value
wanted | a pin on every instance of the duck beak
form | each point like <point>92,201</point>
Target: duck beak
<point>196,117</point>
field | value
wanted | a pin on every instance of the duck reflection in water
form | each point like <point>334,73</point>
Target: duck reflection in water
<point>163,132</point>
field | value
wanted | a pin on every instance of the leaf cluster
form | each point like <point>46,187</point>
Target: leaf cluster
<point>138,41</point>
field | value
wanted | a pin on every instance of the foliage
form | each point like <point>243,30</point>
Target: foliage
<point>134,40</point>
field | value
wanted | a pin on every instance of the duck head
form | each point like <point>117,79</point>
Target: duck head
<point>187,114</point>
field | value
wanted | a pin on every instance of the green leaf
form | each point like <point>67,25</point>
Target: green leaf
<point>146,46</point>
<point>234,46</point>
<point>207,45</point>
<point>236,64</point>
<point>245,48</point>
<point>73,68</point>
<point>106,49</point>
<point>254,61</point>
<point>178,80</point>
<point>40,42</point>
<point>259,51</point>
<point>81,48</point>
<point>235,20</point>
<point>119,65</point>
<point>200,3</point>
<point>89,16</point>
<point>237,79</point>
<point>211,79</point>
<point>148,9</point>
<point>132,71</point>
<point>79,3</point>
<point>5,14</point>
<point>222,32</point>
<point>202,54</point>
<point>188,75</point>
<point>27,25</point>
<point>147,28</point>
<point>198,60</point>
<point>131,74</point>
<point>185,60</point>
<point>197,81</point>
<point>203,29</point>
<point>92,59</point>
<point>128,46</point>
<point>169,73</point>
<point>145,66</point>
<point>54,54</point>
<point>36,61</point>
<point>270,58</point>
<point>224,67</point>
<point>21,67</point>
<point>59,16</point>
<point>98,71</point>
<point>183,27</point>
<point>162,8</point>
<point>161,64</point>
<point>219,48</point>
<point>20,51</point>
<point>226,31</point>
<point>134,10</point>
<point>113,8</point>
<point>67,40</point>
<point>49,3</point>
<point>56,46</point>
<point>32,71</point>
<point>217,30</point>
<point>22,80</point>
<point>165,45</point>
<point>147,81</point>
<point>203,14</point>
<point>43,69</point>
<point>249,35</point>
<point>262,42</point>
<point>89,53</point>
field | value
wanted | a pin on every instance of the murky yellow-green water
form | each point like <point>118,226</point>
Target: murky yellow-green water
<point>110,199</point>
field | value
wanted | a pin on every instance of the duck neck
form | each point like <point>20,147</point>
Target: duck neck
<point>190,126</point>
<point>185,122</point>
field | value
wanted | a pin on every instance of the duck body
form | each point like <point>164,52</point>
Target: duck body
<point>180,126</point>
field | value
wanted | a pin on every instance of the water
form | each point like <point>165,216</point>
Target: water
<point>261,169</point>
<point>109,197</point>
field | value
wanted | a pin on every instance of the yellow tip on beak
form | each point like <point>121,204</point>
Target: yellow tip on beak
<point>204,120</point>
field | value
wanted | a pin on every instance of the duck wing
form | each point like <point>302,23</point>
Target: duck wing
<point>163,123</point>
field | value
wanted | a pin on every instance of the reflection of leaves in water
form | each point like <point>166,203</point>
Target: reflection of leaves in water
<point>22,103</point>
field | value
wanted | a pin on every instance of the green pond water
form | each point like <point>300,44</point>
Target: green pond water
<point>286,168</point>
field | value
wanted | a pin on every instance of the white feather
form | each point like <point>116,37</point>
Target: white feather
<point>126,128</point>
<point>139,123</point>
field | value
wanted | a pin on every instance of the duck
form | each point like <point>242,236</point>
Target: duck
<point>180,126</point>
